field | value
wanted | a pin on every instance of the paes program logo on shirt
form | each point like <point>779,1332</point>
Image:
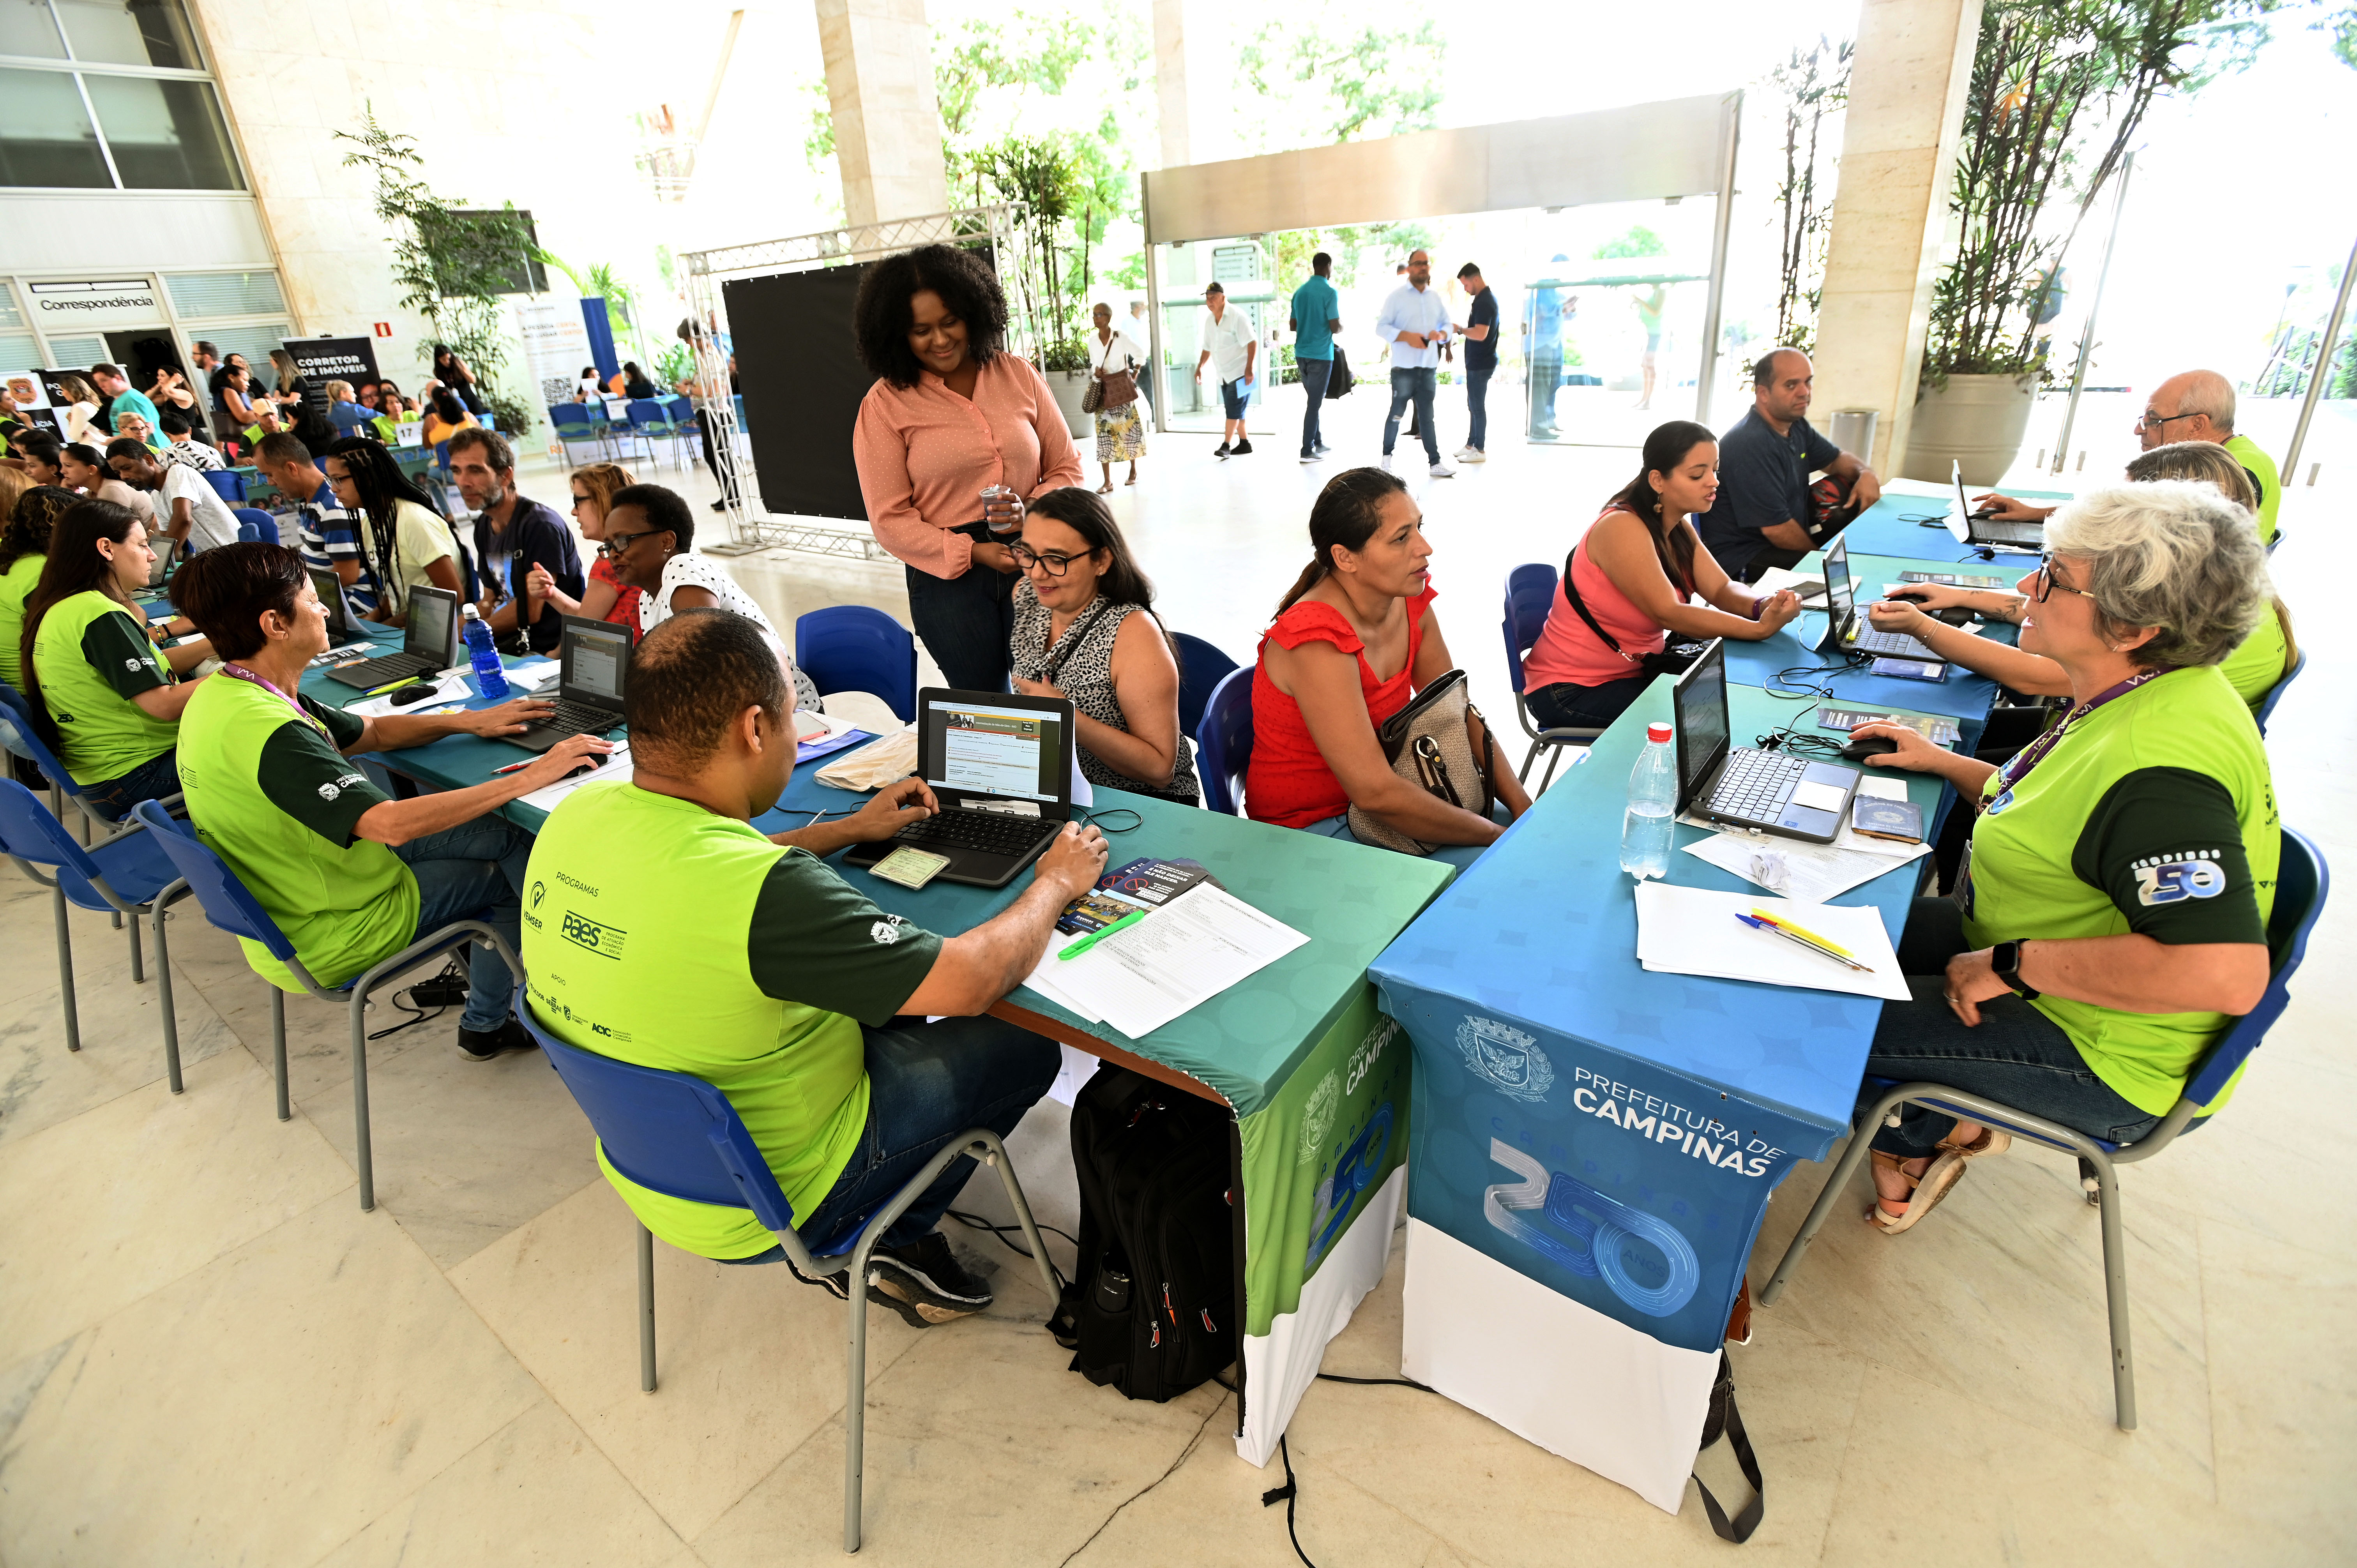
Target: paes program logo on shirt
<point>2172,879</point>
<point>1507,1058</point>
<point>886,931</point>
<point>594,936</point>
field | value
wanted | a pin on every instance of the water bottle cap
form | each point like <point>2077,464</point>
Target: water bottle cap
<point>1658,734</point>
<point>468,612</point>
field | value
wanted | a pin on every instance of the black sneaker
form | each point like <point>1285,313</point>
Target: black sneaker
<point>1221,450</point>
<point>720,506</point>
<point>482,1045</point>
<point>1240,449</point>
<point>836,1285</point>
<point>925,1285</point>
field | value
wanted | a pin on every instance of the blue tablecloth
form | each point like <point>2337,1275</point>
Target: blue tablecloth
<point>1917,525</point>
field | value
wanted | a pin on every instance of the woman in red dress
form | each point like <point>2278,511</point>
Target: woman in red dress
<point>1353,640</point>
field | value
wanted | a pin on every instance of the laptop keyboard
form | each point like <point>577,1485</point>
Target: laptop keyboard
<point>374,671</point>
<point>580,718</point>
<point>1866,639</point>
<point>988,833</point>
<point>1755,784</point>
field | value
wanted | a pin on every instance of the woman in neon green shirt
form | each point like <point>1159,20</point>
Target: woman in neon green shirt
<point>24,551</point>
<point>107,699</point>
<point>2111,917</point>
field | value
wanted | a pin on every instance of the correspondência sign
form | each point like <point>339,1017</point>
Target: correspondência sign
<point>94,302</point>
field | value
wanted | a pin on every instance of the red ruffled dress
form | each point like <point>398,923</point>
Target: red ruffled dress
<point>625,595</point>
<point>1288,782</point>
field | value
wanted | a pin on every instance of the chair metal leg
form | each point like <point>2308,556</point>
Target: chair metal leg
<point>997,1158</point>
<point>1860,1142</point>
<point>2116,1297</point>
<point>363,1158</point>
<point>278,1050</point>
<point>65,972</point>
<point>164,998</point>
<point>854,1402</point>
<point>1522,774</point>
<point>1554,758</point>
<point>646,1310</point>
<point>138,976</point>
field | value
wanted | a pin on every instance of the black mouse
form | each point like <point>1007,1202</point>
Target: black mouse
<point>1867,745</point>
<point>1954,615</point>
<point>410,694</point>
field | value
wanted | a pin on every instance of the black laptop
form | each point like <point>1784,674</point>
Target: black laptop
<point>1773,791</point>
<point>593,668</point>
<point>430,644</point>
<point>341,627</point>
<point>1848,629</point>
<point>1970,526</point>
<point>1001,767</point>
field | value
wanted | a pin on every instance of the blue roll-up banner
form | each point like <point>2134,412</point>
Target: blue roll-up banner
<point>601,339</point>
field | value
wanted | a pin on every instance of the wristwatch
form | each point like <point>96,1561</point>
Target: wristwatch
<point>2005,959</point>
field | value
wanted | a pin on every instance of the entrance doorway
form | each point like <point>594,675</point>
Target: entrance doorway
<point>144,350</point>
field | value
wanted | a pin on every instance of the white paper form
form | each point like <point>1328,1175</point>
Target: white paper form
<point>617,770</point>
<point>452,688</point>
<point>1692,930</point>
<point>1184,953</point>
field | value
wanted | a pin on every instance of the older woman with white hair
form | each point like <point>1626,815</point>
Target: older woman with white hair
<point>2111,917</point>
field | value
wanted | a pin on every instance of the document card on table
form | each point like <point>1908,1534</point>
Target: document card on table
<point>1182,954</point>
<point>1692,930</point>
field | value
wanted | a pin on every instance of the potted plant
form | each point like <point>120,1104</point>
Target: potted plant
<point>1040,180</point>
<point>2059,90</point>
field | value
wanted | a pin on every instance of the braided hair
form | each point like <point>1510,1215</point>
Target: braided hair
<point>381,485</point>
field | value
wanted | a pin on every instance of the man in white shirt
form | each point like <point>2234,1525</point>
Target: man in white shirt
<point>190,508</point>
<point>1228,348</point>
<point>1415,322</point>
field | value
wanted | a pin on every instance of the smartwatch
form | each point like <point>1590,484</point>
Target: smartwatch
<point>2005,959</point>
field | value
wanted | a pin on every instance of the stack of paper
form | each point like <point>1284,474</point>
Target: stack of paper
<point>1179,956</point>
<point>1810,872</point>
<point>617,768</point>
<point>1689,930</point>
<point>451,691</point>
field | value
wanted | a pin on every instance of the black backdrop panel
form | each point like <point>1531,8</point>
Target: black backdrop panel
<point>801,382</point>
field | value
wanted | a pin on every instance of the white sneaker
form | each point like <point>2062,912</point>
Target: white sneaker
<point>1472,454</point>
<point>1442,471</point>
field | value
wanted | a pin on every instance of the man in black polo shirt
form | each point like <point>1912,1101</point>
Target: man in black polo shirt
<point>1765,515</point>
<point>512,535</point>
<point>1481,361</point>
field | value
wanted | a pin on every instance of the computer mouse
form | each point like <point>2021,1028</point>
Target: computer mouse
<point>1954,615</point>
<point>408,695</point>
<point>1867,745</point>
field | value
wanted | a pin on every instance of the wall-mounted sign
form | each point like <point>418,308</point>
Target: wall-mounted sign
<point>95,303</point>
<point>324,359</point>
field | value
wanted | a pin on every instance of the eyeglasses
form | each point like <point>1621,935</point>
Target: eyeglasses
<point>1054,565</point>
<point>2149,419</point>
<point>2047,585</point>
<point>618,543</point>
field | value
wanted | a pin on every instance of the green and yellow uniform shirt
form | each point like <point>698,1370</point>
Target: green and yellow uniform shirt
<point>2262,468</point>
<point>2155,813</point>
<point>16,588</point>
<point>2254,667</point>
<point>271,792</point>
<point>93,657</point>
<point>658,933</point>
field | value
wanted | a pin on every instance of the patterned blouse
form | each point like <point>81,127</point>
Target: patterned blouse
<point>1080,666</point>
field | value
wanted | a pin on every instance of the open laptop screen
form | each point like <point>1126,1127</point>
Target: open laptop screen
<point>432,626</point>
<point>1014,753</point>
<point>330,589</point>
<point>596,655</point>
<point>1841,594</point>
<point>1701,695</point>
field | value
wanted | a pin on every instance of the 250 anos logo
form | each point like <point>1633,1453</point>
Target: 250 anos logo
<point>594,936</point>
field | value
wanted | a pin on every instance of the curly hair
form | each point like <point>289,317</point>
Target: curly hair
<point>2171,555</point>
<point>881,318</point>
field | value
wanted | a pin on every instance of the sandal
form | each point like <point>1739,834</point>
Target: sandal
<point>1990,1142</point>
<point>1926,1191</point>
<point>1106,489</point>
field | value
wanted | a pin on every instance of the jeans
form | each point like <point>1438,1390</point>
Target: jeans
<point>967,623</point>
<point>1477,405</point>
<point>926,1084</point>
<point>152,779</point>
<point>1567,706</point>
<point>474,870</point>
<point>1546,379</point>
<point>1420,386</point>
<point>1231,397</point>
<point>2016,1055</point>
<point>1314,376</point>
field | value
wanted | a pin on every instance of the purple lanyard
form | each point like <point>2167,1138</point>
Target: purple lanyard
<point>240,672</point>
<point>2033,754</point>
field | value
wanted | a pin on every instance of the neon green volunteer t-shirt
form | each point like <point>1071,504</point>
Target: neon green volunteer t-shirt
<point>16,588</point>
<point>271,792</point>
<point>2155,813</point>
<point>659,933</point>
<point>2254,667</point>
<point>2262,469</point>
<point>93,657</point>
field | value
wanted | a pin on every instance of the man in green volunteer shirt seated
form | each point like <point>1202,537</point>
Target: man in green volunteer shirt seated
<point>661,928</point>
<point>351,875</point>
<point>2111,917</point>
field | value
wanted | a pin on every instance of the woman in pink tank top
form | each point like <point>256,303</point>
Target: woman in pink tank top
<point>1637,572</point>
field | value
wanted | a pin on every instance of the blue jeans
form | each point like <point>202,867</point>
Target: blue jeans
<point>2015,1055</point>
<point>1567,706</point>
<point>1314,373</point>
<point>151,781</point>
<point>474,871</point>
<point>926,1084</point>
<point>1419,385</point>
<point>1231,397</point>
<point>1477,405</point>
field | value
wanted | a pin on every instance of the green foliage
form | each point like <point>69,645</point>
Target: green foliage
<point>1639,240</point>
<point>1358,79</point>
<point>2340,21</point>
<point>1813,83</point>
<point>449,263</point>
<point>1026,50</point>
<point>1050,268</point>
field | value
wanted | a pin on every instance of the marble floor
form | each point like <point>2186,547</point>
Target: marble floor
<point>209,1355</point>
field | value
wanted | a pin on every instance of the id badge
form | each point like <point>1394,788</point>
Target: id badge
<point>910,868</point>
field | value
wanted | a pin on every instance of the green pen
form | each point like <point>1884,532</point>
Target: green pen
<point>1085,943</point>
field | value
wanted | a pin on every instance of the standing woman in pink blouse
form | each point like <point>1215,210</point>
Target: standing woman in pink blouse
<point>951,415</point>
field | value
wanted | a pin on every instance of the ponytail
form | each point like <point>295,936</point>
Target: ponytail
<point>1347,513</point>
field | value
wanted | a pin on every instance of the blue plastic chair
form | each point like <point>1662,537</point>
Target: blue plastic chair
<point>2267,707</point>
<point>578,424</point>
<point>649,422</point>
<point>127,876</point>
<point>1202,667</point>
<point>1530,594</point>
<point>230,905</point>
<point>227,485</point>
<point>855,648</point>
<point>1223,742</point>
<point>2300,887</point>
<point>18,738</point>
<point>255,526</point>
<point>672,1133</point>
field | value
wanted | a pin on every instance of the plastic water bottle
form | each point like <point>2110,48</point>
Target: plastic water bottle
<point>484,654</point>
<point>1646,830</point>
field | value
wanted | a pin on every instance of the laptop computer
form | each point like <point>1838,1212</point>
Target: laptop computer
<point>430,643</point>
<point>1001,767</point>
<point>1970,526</point>
<point>593,668</point>
<point>1847,630</point>
<point>330,589</point>
<point>1774,792</point>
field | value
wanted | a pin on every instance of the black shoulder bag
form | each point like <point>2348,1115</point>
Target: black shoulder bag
<point>1338,380</point>
<point>1673,658</point>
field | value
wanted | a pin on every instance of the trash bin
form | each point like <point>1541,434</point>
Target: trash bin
<point>1852,430</point>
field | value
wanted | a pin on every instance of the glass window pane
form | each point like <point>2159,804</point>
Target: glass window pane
<point>164,136</point>
<point>202,295</point>
<point>26,28</point>
<point>45,133</point>
<point>130,32</point>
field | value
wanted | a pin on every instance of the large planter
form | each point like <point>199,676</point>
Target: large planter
<point>1069,386</point>
<point>1975,422</point>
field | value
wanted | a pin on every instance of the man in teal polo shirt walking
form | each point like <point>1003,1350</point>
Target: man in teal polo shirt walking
<point>1317,316</point>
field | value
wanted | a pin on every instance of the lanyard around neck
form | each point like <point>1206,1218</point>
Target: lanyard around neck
<point>2033,754</point>
<point>253,678</point>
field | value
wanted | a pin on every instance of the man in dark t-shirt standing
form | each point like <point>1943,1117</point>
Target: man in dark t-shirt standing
<point>1480,360</point>
<point>1765,515</point>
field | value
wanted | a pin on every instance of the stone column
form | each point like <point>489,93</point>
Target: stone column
<point>1170,81</point>
<point>887,124</point>
<point>1908,83</point>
